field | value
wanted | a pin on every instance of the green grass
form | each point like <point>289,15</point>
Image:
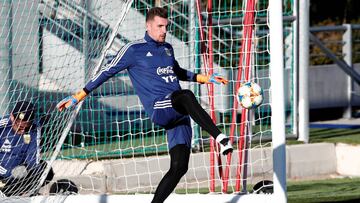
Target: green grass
<point>348,136</point>
<point>340,190</point>
<point>331,190</point>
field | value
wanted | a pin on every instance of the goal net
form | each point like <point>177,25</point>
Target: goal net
<point>108,145</point>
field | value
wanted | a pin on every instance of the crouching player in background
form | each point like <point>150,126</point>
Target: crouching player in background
<point>20,164</point>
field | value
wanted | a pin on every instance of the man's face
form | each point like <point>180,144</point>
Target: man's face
<point>19,126</point>
<point>157,28</point>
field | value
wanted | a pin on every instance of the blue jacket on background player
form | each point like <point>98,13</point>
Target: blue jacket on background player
<point>20,150</point>
<point>17,148</point>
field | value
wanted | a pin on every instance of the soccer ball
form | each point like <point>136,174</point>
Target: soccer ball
<point>249,95</point>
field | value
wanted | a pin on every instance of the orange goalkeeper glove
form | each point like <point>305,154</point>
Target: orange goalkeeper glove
<point>71,101</point>
<point>214,78</point>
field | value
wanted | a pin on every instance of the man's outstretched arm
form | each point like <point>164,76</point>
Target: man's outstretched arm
<point>186,75</point>
<point>121,61</point>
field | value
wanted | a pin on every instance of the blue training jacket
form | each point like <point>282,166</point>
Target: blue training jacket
<point>17,149</point>
<point>152,67</point>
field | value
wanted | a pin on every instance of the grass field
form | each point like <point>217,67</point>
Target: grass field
<point>339,190</point>
<point>332,190</point>
<point>348,136</point>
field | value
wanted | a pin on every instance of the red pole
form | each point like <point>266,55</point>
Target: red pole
<point>211,71</point>
<point>208,62</point>
<point>249,27</point>
<point>245,44</point>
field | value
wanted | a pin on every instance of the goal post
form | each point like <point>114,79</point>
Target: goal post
<point>107,145</point>
<point>277,99</point>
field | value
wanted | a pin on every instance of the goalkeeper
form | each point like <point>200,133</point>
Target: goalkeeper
<point>20,164</point>
<point>155,75</point>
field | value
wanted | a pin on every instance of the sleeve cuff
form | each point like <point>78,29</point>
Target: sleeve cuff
<point>194,77</point>
<point>86,90</point>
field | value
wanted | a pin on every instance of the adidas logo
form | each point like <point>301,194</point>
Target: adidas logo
<point>6,147</point>
<point>149,54</point>
<point>7,142</point>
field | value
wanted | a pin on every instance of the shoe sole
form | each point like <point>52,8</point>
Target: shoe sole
<point>227,151</point>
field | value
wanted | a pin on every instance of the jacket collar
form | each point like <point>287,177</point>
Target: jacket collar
<point>151,40</point>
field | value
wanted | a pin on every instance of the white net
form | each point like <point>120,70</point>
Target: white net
<point>51,48</point>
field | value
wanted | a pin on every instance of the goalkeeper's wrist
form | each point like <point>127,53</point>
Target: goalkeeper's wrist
<point>86,90</point>
<point>202,78</point>
<point>80,95</point>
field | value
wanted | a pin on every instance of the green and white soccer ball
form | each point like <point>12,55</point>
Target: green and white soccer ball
<point>250,95</point>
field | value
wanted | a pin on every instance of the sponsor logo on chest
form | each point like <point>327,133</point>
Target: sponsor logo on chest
<point>166,74</point>
<point>164,70</point>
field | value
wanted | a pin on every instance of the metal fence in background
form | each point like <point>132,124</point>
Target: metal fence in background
<point>337,38</point>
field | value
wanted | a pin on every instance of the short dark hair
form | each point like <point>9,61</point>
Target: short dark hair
<point>24,111</point>
<point>156,11</point>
